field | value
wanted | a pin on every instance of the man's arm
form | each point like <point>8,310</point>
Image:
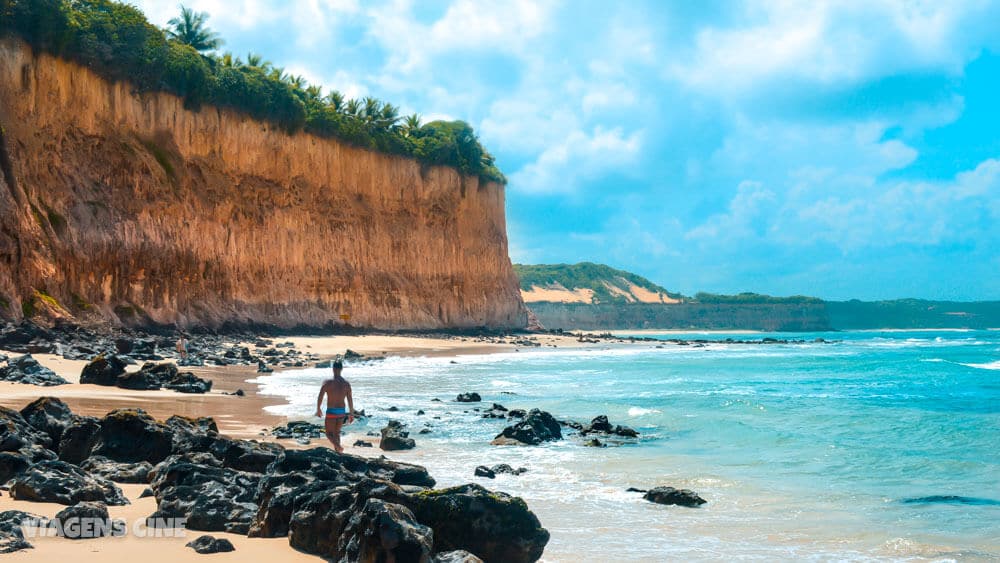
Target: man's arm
<point>350,405</point>
<point>319,400</point>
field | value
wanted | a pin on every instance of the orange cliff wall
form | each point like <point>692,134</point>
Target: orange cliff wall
<point>126,207</point>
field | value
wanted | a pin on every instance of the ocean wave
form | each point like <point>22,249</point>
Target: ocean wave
<point>988,365</point>
<point>639,411</point>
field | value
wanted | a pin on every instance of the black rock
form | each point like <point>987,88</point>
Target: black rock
<point>600,425</point>
<point>60,482</point>
<point>469,398</point>
<point>383,531</point>
<point>394,437</point>
<point>517,413</point>
<point>537,427</point>
<point>117,471</point>
<point>634,490</point>
<point>131,435</point>
<point>207,544</point>
<point>483,471</point>
<point>212,499</point>
<point>50,415</point>
<point>103,370</point>
<point>86,520</point>
<point>457,556</point>
<point>504,468</point>
<point>12,464</point>
<point>11,535</point>
<point>494,526</point>
<point>670,495</point>
<point>363,444</point>
<point>187,382</point>
<point>27,337</point>
<point>594,443</point>
<point>79,439</point>
<point>25,369</point>
<point>16,433</point>
<point>262,367</point>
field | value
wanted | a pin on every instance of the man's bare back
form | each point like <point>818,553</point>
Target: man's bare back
<point>337,390</point>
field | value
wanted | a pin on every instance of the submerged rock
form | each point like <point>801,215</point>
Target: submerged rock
<point>537,427</point>
<point>468,398</point>
<point>670,495</point>
<point>601,425</point>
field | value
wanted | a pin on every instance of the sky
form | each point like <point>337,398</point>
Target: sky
<point>846,149</point>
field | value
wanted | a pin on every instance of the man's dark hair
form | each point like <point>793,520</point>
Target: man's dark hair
<point>337,364</point>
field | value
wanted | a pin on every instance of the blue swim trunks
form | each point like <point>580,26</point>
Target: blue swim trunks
<point>336,412</point>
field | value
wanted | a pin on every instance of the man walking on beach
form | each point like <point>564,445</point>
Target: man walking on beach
<point>336,391</point>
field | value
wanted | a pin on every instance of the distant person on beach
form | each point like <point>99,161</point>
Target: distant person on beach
<point>182,346</point>
<point>336,391</point>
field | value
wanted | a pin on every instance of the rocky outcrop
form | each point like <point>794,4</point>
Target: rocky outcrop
<point>26,369</point>
<point>206,545</point>
<point>670,495</point>
<point>60,482</point>
<point>11,535</point>
<point>394,437</point>
<point>126,206</point>
<point>537,427</point>
<point>340,507</point>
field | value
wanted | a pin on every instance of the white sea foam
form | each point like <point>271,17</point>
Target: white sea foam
<point>988,365</point>
<point>639,411</point>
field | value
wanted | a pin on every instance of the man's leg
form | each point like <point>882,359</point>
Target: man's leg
<point>333,426</point>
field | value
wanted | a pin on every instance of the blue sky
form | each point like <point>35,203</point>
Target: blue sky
<point>838,149</point>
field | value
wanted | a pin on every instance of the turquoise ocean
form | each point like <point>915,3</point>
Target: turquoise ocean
<point>882,445</point>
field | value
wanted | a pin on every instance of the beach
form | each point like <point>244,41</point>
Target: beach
<point>798,446</point>
<point>243,417</point>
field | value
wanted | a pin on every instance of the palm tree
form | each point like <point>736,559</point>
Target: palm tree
<point>314,92</point>
<point>296,82</point>
<point>190,29</point>
<point>257,61</point>
<point>353,108</point>
<point>227,60</point>
<point>336,100</point>
<point>411,124</point>
<point>388,117</point>
<point>372,109</point>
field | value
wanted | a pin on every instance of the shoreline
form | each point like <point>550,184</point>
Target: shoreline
<point>239,417</point>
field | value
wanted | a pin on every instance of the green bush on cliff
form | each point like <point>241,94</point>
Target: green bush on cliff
<point>117,41</point>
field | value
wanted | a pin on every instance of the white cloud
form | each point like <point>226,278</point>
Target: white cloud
<point>579,156</point>
<point>831,42</point>
<point>504,27</point>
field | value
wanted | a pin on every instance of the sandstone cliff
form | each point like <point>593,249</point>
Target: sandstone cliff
<point>124,206</point>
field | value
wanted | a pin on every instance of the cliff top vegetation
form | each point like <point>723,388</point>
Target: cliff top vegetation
<point>118,42</point>
<point>602,284</point>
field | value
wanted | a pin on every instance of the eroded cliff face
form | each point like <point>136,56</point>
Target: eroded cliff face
<point>125,206</point>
